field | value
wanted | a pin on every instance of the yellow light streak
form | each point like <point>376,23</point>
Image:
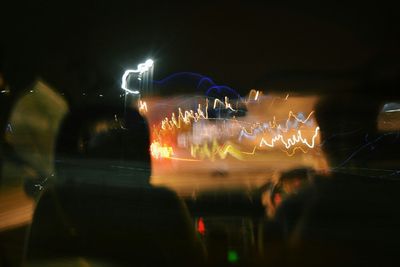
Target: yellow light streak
<point>206,152</point>
<point>224,104</point>
<point>294,151</point>
<point>158,151</point>
<point>183,159</point>
<point>142,107</point>
<point>282,139</point>
<point>254,95</point>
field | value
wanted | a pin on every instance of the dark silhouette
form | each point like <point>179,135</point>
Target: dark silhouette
<point>102,207</point>
<point>278,225</point>
<point>345,219</point>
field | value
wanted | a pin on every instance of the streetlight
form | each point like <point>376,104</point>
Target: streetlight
<point>141,69</point>
<point>142,76</point>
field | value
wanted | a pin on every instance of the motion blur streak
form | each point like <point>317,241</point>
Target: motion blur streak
<point>143,67</point>
<point>225,104</point>
<point>202,142</point>
<point>15,208</point>
<point>159,151</point>
<point>142,107</point>
<point>211,138</point>
<point>186,117</point>
<point>273,125</point>
<point>295,139</point>
<point>204,151</point>
<point>294,151</point>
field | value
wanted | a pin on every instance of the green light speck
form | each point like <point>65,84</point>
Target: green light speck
<point>232,256</point>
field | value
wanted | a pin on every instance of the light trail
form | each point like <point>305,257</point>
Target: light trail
<point>158,151</point>
<point>183,159</point>
<point>274,125</point>
<point>142,107</point>
<point>200,80</point>
<point>224,104</point>
<point>205,152</point>
<point>294,151</point>
<point>186,117</point>
<point>270,134</point>
<point>141,68</point>
<point>295,139</point>
<point>254,95</point>
<point>261,128</point>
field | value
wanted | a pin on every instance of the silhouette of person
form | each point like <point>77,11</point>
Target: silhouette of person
<point>347,219</point>
<point>102,209</point>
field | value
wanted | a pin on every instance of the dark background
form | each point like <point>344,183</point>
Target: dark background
<point>301,47</point>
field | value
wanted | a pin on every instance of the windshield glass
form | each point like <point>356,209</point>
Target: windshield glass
<point>212,134</point>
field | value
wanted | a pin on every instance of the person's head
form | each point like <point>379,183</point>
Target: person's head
<point>103,145</point>
<point>345,120</point>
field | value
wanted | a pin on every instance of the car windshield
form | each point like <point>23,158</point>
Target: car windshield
<point>199,134</point>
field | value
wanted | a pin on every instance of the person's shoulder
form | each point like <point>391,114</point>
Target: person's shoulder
<point>348,180</point>
<point>164,191</point>
<point>164,196</point>
<point>356,187</point>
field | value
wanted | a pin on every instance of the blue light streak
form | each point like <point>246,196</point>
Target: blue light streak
<point>201,80</point>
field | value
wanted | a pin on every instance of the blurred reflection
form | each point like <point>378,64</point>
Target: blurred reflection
<point>30,129</point>
<point>29,143</point>
<point>194,137</point>
<point>389,117</point>
<point>351,217</point>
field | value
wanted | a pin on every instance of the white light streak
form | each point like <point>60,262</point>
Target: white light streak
<point>142,68</point>
<point>392,110</point>
<point>295,139</point>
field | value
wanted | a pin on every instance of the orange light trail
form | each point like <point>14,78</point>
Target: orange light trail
<point>254,95</point>
<point>142,107</point>
<point>183,159</point>
<point>294,151</point>
<point>259,134</point>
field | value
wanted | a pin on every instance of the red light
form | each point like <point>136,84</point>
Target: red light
<point>201,228</point>
<point>277,199</point>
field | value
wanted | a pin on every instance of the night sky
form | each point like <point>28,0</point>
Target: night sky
<point>276,46</point>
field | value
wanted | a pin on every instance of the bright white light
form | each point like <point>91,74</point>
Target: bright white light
<point>393,110</point>
<point>149,63</point>
<point>141,68</point>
